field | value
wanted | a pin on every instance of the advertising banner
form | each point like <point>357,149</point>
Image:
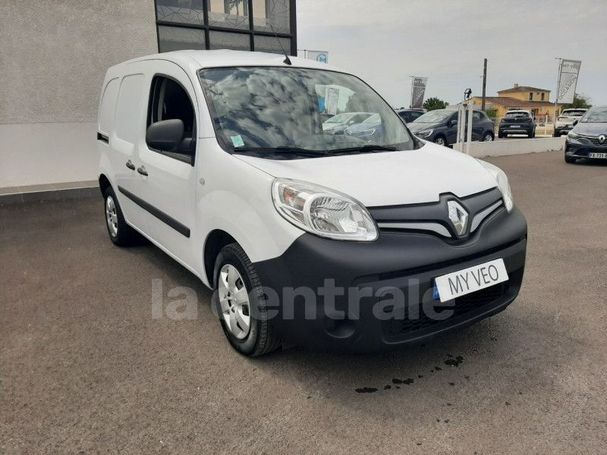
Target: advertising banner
<point>418,90</point>
<point>570,70</point>
<point>319,56</point>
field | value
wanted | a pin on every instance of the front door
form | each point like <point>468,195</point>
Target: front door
<point>170,177</point>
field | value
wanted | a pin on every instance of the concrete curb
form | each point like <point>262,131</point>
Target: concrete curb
<point>515,147</point>
<point>52,192</point>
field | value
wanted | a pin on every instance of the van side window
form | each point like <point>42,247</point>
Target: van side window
<point>169,100</point>
<point>128,108</point>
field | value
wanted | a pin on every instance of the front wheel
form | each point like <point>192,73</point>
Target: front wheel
<point>569,159</point>
<point>532,134</point>
<point>488,137</point>
<point>241,304</point>
<point>440,140</point>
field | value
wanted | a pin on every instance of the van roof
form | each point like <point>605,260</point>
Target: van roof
<point>196,59</point>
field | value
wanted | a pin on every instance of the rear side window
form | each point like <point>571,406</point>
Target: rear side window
<point>106,107</point>
<point>128,110</point>
<point>169,100</point>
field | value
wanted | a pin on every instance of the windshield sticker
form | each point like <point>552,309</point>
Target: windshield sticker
<point>237,141</point>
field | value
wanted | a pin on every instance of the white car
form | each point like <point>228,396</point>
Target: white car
<point>567,120</point>
<point>330,241</point>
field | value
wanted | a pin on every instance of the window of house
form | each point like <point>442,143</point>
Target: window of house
<point>530,96</point>
<point>169,100</point>
<point>543,96</point>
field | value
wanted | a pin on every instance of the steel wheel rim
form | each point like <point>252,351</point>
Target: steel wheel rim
<point>111,216</point>
<point>440,141</point>
<point>488,138</point>
<point>234,302</point>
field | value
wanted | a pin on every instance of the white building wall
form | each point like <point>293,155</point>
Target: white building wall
<point>53,57</point>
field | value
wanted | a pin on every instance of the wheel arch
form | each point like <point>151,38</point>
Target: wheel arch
<point>214,242</point>
<point>104,183</point>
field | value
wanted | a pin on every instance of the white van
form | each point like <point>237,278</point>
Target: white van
<point>322,239</point>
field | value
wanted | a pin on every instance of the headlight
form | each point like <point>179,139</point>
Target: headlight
<point>502,183</point>
<point>424,133</point>
<point>322,211</point>
<point>573,135</point>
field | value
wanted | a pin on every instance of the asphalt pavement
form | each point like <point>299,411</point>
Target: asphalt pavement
<point>94,357</point>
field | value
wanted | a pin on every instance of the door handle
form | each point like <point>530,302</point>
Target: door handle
<point>142,171</point>
<point>130,165</point>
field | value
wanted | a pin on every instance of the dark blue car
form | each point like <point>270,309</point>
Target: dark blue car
<point>440,126</point>
<point>588,138</point>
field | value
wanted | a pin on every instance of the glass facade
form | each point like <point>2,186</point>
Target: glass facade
<point>227,24</point>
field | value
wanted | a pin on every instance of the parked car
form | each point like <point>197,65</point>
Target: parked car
<point>566,120</point>
<point>368,130</point>
<point>338,123</point>
<point>440,126</point>
<point>409,115</point>
<point>219,159</point>
<point>588,138</point>
<point>517,122</point>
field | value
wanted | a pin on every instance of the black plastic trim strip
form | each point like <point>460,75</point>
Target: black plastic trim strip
<point>103,138</point>
<point>167,219</point>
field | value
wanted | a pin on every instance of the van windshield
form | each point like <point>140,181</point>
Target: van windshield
<point>278,112</point>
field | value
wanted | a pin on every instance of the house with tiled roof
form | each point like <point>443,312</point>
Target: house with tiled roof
<point>534,99</point>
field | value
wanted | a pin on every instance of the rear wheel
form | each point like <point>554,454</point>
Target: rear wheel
<point>120,232</point>
<point>241,304</point>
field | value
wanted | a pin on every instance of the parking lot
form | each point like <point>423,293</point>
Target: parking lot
<point>85,367</point>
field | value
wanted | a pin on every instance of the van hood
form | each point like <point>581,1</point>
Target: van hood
<point>387,178</point>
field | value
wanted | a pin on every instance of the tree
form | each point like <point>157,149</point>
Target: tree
<point>579,101</point>
<point>434,103</point>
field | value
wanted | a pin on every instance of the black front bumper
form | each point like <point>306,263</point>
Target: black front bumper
<point>558,131</point>
<point>408,262</point>
<point>583,147</point>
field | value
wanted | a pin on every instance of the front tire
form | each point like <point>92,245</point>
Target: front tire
<point>241,304</point>
<point>532,134</point>
<point>441,140</point>
<point>488,137</point>
<point>120,232</point>
<point>570,160</point>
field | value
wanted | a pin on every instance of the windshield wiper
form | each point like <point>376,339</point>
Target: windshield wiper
<point>283,150</point>
<point>369,148</point>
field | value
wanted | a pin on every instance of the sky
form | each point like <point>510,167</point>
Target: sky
<point>387,41</point>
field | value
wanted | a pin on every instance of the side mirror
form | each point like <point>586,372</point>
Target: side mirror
<point>452,123</point>
<point>165,135</point>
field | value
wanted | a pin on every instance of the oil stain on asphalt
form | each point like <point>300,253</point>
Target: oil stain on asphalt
<point>451,361</point>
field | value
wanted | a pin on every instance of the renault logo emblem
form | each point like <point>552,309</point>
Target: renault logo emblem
<point>458,216</point>
<point>602,139</point>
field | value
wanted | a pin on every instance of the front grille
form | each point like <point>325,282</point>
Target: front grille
<point>595,141</point>
<point>464,308</point>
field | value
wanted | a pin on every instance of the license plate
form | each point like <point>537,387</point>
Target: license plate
<point>597,155</point>
<point>515,126</point>
<point>470,280</point>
